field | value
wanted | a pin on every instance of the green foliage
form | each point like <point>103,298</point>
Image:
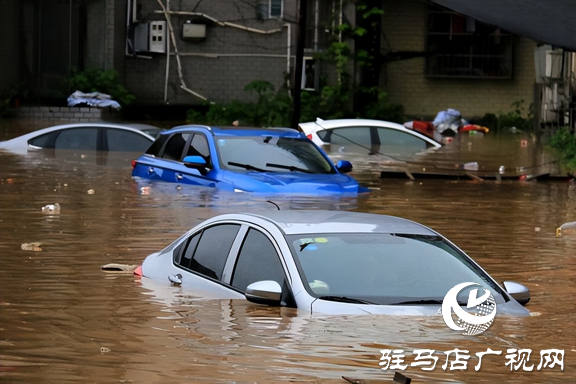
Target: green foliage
<point>504,122</point>
<point>383,109</point>
<point>330,103</point>
<point>4,108</point>
<point>514,118</point>
<point>14,97</point>
<point>564,143</point>
<point>271,109</point>
<point>97,80</point>
<point>368,12</point>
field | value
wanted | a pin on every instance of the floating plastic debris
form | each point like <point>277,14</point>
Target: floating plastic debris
<point>36,246</point>
<point>113,267</point>
<point>51,208</point>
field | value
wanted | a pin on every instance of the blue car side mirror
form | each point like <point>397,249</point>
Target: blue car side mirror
<point>196,162</point>
<point>344,166</point>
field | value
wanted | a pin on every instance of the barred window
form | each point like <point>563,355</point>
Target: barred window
<point>466,48</point>
<point>268,9</point>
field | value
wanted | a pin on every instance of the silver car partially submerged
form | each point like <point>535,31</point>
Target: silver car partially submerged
<point>327,262</point>
<point>89,136</point>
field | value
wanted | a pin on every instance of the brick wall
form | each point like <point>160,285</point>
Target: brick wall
<point>63,114</point>
<point>405,27</point>
<point>219,67</point>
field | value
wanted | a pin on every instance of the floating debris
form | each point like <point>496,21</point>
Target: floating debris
<point>36,247</point>
<point>51,208</point>
<point>90,191</point>
<point>113,267</point>
<point>105,350</point>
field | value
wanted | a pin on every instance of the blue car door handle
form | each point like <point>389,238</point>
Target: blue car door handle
<point>179,176</point>
<point>150,170</point>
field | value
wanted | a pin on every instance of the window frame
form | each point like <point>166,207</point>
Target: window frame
<point>280,259</point>
<point>491,65</point>
<point>181,249</point>
<point>232,257</point>
<point>264,9</point>
<point>106,138</point>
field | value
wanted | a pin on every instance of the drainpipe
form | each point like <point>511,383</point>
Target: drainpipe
<point>288,45</point>
<point>167,56</point>
<point>340,38</point>
<point>70,36</point>
<point>316,21</point>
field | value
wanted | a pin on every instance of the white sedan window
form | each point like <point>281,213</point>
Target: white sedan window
<point>78,138</point>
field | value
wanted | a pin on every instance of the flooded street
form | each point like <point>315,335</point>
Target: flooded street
<point>64,320</point>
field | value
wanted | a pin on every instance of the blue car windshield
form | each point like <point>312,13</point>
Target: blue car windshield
<point>271,154</point>
<point>385,268</point>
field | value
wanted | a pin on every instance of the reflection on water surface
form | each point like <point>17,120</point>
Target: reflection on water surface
<point>64,320</point>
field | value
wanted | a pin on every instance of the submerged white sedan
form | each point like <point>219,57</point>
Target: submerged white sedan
<point>367,137</point>
<point>89,136</point>
<point>325,262</point>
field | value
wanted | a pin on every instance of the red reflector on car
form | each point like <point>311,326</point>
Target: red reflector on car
<point>138,271</point>
<point>309,136</point>
<point>133,164</point>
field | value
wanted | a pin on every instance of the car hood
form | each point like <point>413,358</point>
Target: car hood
<point>293,182</point>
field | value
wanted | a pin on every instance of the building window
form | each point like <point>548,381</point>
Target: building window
<point>464,47</point>
<point>269,9</point>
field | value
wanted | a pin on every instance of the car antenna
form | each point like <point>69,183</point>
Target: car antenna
<point>271,202</point>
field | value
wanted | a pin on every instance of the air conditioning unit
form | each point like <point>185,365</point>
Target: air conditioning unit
<point>193,32</point>
<point>150,37</point>
<point>548,63</point>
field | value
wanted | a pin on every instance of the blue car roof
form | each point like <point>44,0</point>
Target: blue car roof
<point>235,131</point>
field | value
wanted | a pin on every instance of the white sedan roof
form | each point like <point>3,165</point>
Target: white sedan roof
<point>293,222</point>
<point>21,142</point>
<point>320,124</point>
<point>335,123</point>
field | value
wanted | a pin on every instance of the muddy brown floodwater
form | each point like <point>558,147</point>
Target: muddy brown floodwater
<point>64,320</point>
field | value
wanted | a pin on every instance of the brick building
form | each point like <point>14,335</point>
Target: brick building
<point>185,52</point>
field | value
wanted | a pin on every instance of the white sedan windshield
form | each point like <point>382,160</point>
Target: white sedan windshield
<point>384,268</point>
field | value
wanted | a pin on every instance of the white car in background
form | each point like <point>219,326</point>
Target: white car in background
<point>368,137</point>
<point>85,137</point>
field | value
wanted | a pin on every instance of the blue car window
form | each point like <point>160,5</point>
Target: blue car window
<point>175,146</point>
<point>157,145</point>
<point>122,140</point>
<point>199,147</point>
<point>212,250</point>
<point>257,261</point>
<point>272,154</point>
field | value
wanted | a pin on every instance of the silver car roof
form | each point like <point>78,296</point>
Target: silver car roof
<point>293,222</point>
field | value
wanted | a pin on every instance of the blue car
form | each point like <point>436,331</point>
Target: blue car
<point>272,160</point>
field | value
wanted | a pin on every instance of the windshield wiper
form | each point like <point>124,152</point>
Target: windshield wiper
<point>291,168</point>
<point>423,301</point>
<point>247,167</point>
<point>344,299</point>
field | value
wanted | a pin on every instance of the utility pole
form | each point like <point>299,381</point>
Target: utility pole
<point>303,8</point>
